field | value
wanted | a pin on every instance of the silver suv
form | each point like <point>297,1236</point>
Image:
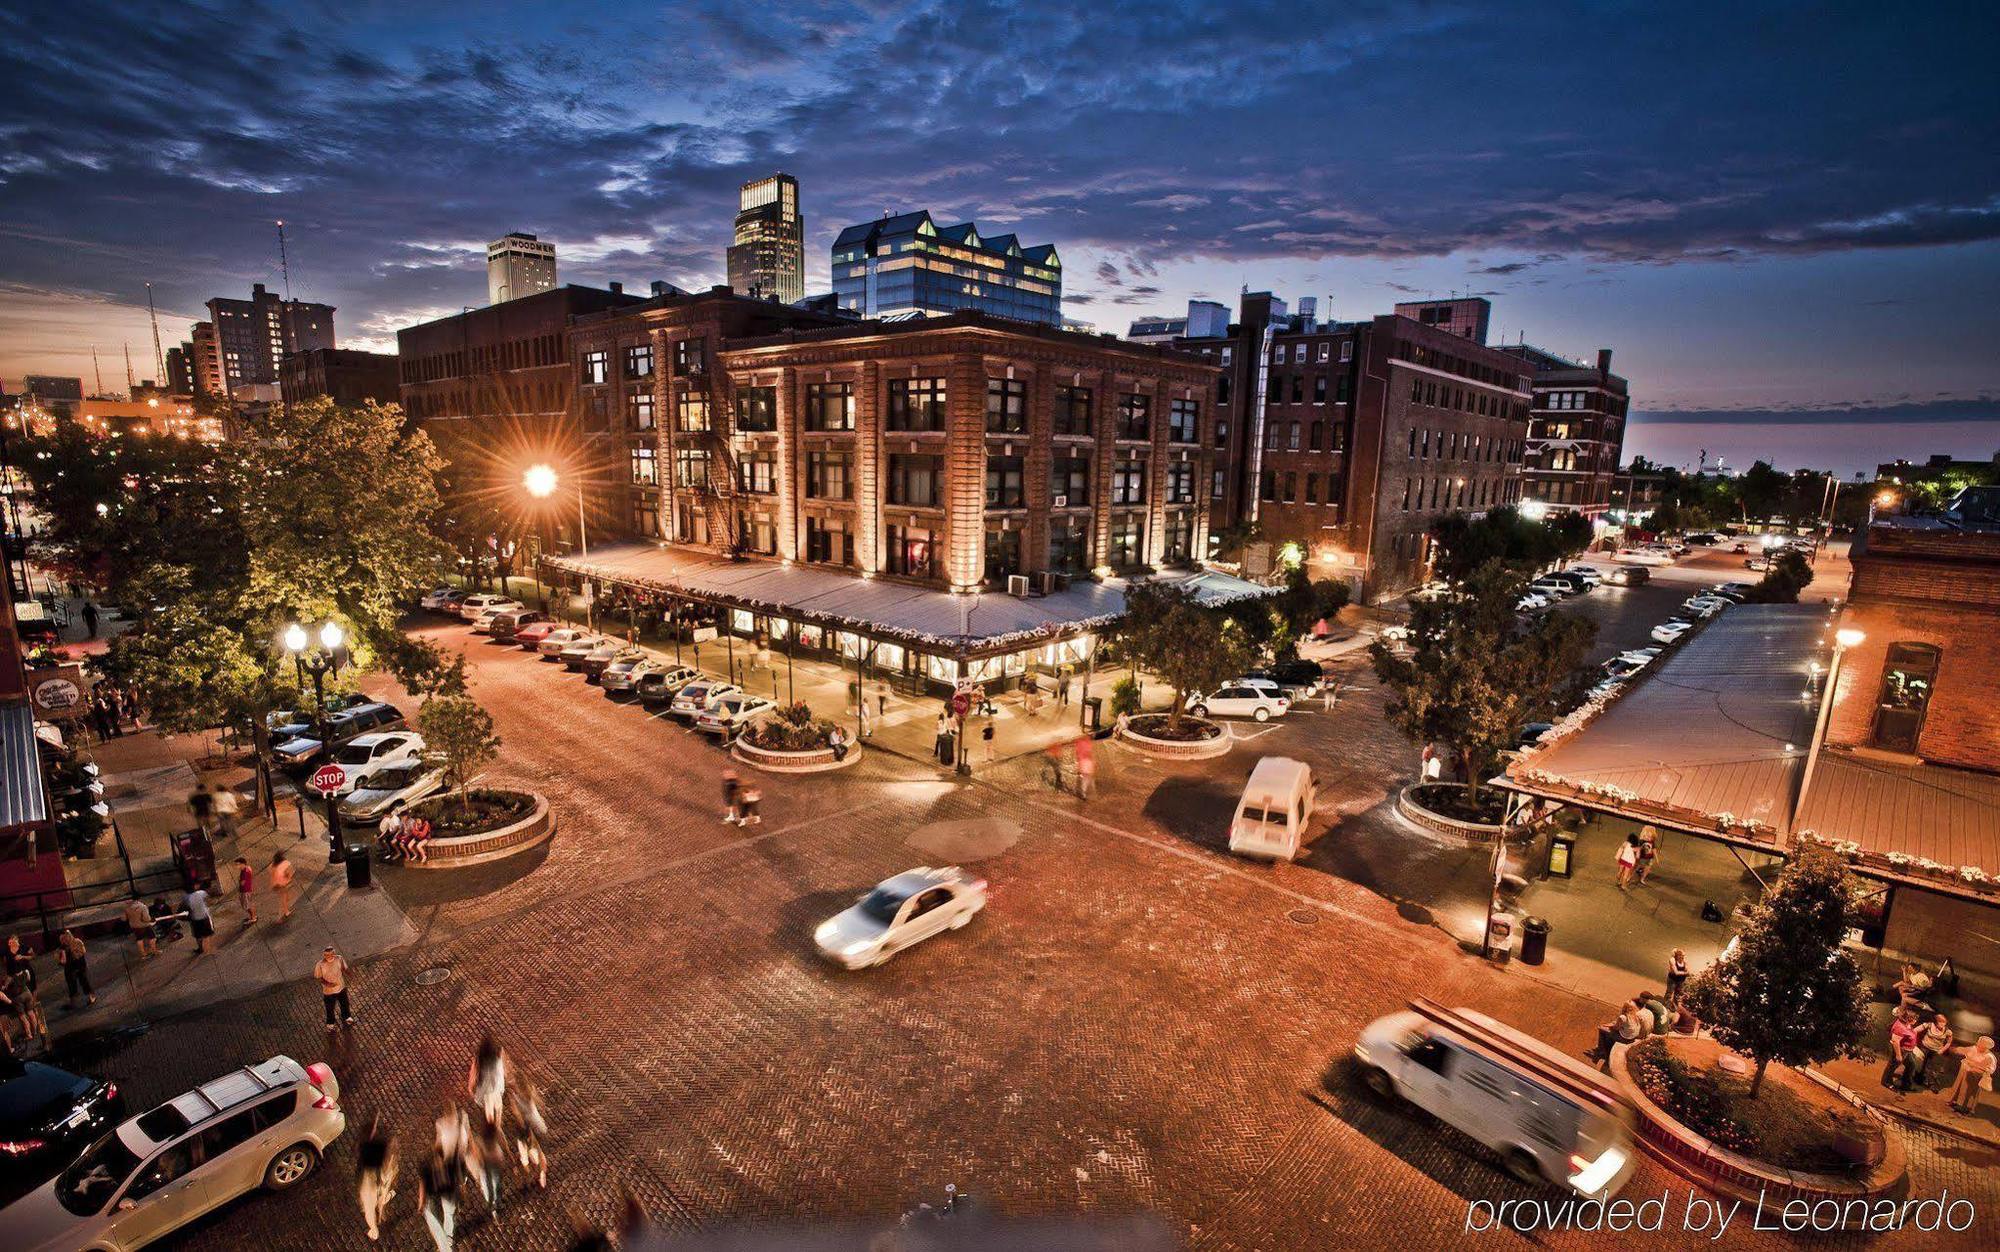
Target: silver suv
<point>264,1125</point>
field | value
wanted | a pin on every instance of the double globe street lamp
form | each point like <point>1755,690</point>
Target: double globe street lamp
<point>326,658</point>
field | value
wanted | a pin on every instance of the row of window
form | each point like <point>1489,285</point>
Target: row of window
<point>1283,488</point>
<point>514,354</point>
<point>1452,445</point>
<point>913,551</point>
<point>595,367</point>
<point>1277,394</point>
<point>1445,362</point>
<point>1444,396</point>
<point>1459,493</point>
<point>1321,351</point>
<point>1284,436</point>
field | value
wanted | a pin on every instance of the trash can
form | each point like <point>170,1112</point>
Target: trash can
<point>1500,937</point>
<point>1093,713</point>
<point>1562,845</point>
<point>359,865</point>
<point>1534,940</point>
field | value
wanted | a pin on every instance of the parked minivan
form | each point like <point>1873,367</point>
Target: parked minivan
<point>1549,1116</point>
<point>1277,803</point>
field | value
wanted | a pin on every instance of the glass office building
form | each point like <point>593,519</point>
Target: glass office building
<point>909,266</point>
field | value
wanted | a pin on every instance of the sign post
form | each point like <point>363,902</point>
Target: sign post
<point>328,779</point>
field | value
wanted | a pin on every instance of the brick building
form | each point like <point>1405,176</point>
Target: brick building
<point>253,335</point>
<point>1576,432</point>
<point>1340,443</point>
<point>345,375</point>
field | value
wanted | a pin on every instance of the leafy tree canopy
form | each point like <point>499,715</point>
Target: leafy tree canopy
<point>1192,647</point>
<point>459,735</point>
<point>1504,535</point>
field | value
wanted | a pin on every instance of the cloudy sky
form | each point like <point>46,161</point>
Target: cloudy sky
<point>1782,217</point>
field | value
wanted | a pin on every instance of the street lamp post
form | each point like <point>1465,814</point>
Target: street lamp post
<point>1843,639</point>
<point>319,662</point>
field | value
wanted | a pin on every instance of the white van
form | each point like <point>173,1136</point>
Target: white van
<point>1277,803</point>
<point>1548,1115</point>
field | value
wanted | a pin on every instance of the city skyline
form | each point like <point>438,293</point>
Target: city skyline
<point>1758,236</point>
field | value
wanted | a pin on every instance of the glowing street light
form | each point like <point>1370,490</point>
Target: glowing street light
<point>540,481</point>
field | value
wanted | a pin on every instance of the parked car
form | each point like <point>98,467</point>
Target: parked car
<point>265,1125</point>
<point>366,755</point>
<point>1671,632</point>
<point>602,657</point>
<point>1552,589</point>
<point>1576,582</point>
<point>729,715</point>
<point>341,727</point>
<point>433,599</point>
<point>510,624</point>
<point>574,654</point>
<point>482,622</point>
<point>1735,593</point>
<point>1532,602</point>
<point>390,790</point>
<point>286,724</point>
<point>1296,677</point>
<point>1757,564</point>
<point>530,635</point>
<point>48,1116</point>
<point>1604,688</point>
<point>1704,606</point>
<point>1641,656</point>
<point>1393,634</point>
<point>624,672</point>
<point>660,684</point>
<point>473,605</point>
<point>1550,1117</point>
<point>560,639</point>
<point>1240,701</point>
<point>901,911</point>
<point>1588,573</point>
<point>696,696</point>
<point>1532,733</point>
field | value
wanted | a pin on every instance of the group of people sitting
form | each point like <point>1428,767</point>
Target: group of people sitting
<point>402,838</point>
<point>1646,1014</point>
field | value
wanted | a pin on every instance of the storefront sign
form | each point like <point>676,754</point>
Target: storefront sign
<point>57,692</point>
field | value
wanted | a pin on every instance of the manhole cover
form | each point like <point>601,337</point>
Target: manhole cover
<point>1304,917</point>
<point>433,976</point>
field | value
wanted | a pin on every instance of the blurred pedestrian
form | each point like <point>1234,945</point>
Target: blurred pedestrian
<point>1975,1074</point>
<point>1649,851</point>
<point>375,1174</point>
<point>751,797</point>
<point>200,920</point>
<point>90,617</point>
<point>75,961</point>
<point>489,1151</point>
<point>531,1129</point>
<point>882,700</point>
<point>1677,976</point>
<point>1086,767</point>
<point>202,804</point>
<point>103,718</point>
<point>282,874</point>
<point>26,1008</point>
<point>486,1078</point>
<point>731,785</point>
<point>139,920</point>
<point>226,808</point>
<point>246,888</point>
<point>941,743</point>
<point>332,974</point>
<point>438,1183</point>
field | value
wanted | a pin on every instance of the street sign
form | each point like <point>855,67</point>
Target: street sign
<point>961,702</point>
<point>329,778</point>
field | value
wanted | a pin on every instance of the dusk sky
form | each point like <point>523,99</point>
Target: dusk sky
<point>1784,218</point>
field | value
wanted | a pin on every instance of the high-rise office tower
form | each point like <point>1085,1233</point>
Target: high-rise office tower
<point>518,265</point>
<point>909,266</point>
<point>768,257</point>
<point>254,335</point>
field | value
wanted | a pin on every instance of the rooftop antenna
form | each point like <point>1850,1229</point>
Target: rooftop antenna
<point>159,357</point>
<point>284,264</point>
<point>130,386</point>
<point>97,369</point>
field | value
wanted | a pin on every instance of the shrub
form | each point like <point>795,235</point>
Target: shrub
<point>1125,697</point>
<point>791,728</point>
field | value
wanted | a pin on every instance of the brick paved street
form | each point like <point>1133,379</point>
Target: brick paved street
<point>1135,1024</point>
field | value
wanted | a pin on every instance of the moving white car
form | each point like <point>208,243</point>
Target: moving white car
<point>367,755</point>
<point>1236,701</point>
<point>690,701</point>
<point>1670,632</point>
<point>1276,804</point>
<point>1646,556</point>
<point>262,1126</point>
<point>1549,1116</point>
<point>728,715</point>
<point>1393,634</point>
<point>1589,573</point>
<point>904,910</point>
<point>473,605</point>
<point>389,791</point>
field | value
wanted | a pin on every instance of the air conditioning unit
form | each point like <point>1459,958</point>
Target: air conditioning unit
<point>1060,502</point>
<point>1053,582</point>
<point>1017,585</point>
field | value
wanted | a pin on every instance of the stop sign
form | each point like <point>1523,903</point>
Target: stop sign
<point>960,702</point>
<point>329,778</point>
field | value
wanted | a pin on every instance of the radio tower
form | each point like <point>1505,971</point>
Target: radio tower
<point>97,369</point>
<point>159,357</point>
<point>284,265</point>
<point>130,385</point>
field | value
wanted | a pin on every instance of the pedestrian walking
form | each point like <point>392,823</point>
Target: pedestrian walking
<point>26,1007</point>
<point>941,743</point>
<point>861,715</point>
<point>1975,1074</point>
<point>731,786</point>
<point>531,1129</point>
<point>375,1175</point>
<point>246,888</point>
<point>751,797</point>
<point>1062,687</point>
<point>139,921</point>
<point>75,961</point>
<point>282,874</point>
<point>1329,693</point>
<point>226,808</point>
<point>489,1149</point>
<point>882,701</point>
<point>332,973</point>
<point>90,617</point>
<point>1935,1040</point>
<point>1677,976</point>
<point>486,1078</point>
<point>1628,861</point>
<point>200,920</point>
<point>202,804</point>
<point>20,960</point>
<point>1649,851</point>
<point>438,1183</point>
<point>103,718</point>
<point>1086,767</point>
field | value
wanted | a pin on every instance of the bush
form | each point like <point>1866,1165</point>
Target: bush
<point>482,809</point>
<point>1161,726</point>
<point>1125,697</point>
<point>792,728</point>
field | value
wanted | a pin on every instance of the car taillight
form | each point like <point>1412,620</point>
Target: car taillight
<point>111,1091</point>
<point>21,1147</point>
<point>325,1102</point>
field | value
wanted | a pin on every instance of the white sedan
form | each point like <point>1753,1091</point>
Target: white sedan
<point>1670,632</point>
<point>1252,702</point>
<point>901,911</point>
<point>365,756</point>
<point>390,790</point>
<point>1533,601</point>
<point>730,715</point>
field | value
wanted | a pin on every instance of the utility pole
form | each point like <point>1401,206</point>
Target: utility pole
<point>130,385</point>
<point>97,369</point>
<point>159,357</point>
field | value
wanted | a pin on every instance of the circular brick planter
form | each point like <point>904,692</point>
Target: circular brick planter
<point>1474,832</point>
<point>1178,749</point>
<point>538,827</point>
<point>817,761</point>
<point>1741,1178</point>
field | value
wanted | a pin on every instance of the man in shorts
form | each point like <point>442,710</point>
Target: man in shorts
<point>199,919</point>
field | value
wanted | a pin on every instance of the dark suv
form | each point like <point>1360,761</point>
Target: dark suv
<point>47,1117</point>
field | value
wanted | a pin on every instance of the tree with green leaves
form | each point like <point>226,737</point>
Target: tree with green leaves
<point>1465,544</point>
<point>1789,574</point>
<point>1193,648</point>
<point>459,736</point>
<point>1787,990</point>
<point>1277,624</point>
<point>1478,670</point>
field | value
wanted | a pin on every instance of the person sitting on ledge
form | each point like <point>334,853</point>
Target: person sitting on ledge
<point>1628,1027</point>
<point>1660,1018</point>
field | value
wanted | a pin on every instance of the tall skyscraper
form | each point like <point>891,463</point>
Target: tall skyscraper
<point>907,265</point>
<point>254,335</point>
<point>768,257</point>
<point>518,265</point>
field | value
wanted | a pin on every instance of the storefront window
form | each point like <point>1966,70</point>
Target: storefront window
<point>1908,672</point>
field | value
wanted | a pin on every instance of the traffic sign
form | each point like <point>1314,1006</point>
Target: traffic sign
<point>329,778</point>
<point>961,702</point>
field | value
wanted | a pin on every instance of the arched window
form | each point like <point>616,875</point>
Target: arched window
<point>1908,673</point>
